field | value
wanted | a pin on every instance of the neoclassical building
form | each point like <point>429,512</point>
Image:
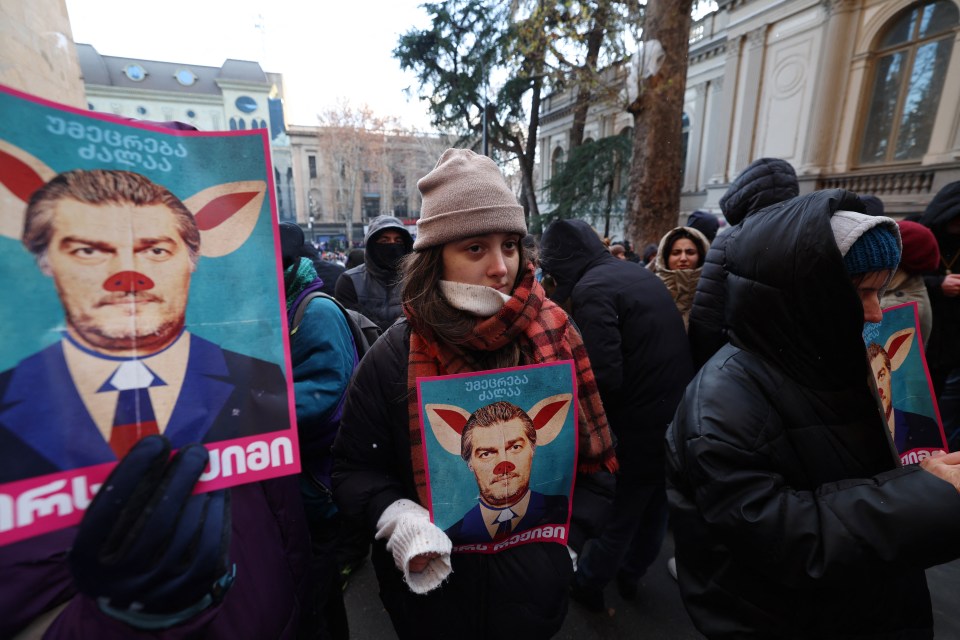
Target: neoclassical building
<point>858,94</point>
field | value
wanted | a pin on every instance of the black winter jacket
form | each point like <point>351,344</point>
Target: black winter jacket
<point>635,339</point>
<point>943,352</point>
<point>519,592</point>
<point>792,515</point>
<point>765,182</point>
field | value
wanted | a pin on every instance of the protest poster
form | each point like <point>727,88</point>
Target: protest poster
<point>501,450</point>
<point>142,294</point>
<point>896,353</point>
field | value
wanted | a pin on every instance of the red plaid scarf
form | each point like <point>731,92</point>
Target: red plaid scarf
<point>545,335</point>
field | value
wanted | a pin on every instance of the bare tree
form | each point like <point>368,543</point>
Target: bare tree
<point>656,172</point>
<point>353,143</point>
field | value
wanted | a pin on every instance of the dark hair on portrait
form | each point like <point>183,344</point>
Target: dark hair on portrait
<point>102,186</point>
<point>874,350</point>
<point>422,272</point>
<point>494,414</point>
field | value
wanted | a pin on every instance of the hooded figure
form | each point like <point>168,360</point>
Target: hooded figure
<point>635,338</point>
<point>704,222</point>
<point>764,183</point>
<point>681,273</point>
<point>372,288</point>
<point>942,217</point>
<point>792,514</point>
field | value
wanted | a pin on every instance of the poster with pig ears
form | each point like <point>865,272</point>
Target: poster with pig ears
<point>906,394</point>
<point>501,447</point>
<point>142,295</point>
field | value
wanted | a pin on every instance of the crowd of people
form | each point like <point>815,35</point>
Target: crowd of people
<point>721,388</point>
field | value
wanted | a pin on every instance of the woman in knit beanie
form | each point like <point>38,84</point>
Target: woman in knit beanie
<point>472,304</point>
<point>793,516</point>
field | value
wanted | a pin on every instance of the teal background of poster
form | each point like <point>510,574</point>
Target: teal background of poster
<point>910,386</point>
<point>453,486</point>
<point>234,300</point>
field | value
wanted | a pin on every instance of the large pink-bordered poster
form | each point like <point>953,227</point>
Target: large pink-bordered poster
<point>896,353</point>
<point>501,449</point>
<point>142,294</point>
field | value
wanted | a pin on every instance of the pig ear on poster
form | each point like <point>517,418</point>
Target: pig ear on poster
<point>549,415</point>
<point>226,215</point>
<point>898,346</point>
<point>21,174</point>
<point>447,422</point>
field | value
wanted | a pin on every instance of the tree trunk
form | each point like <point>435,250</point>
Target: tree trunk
<point>587,75</point>
<point>529,156</point>
<point>653,202</point>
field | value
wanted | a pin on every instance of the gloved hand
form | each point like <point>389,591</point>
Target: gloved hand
<point>149,552</point>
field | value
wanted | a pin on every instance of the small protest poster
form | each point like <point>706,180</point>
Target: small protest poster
<point>896,354</point>
<point>501,449</point>
<point>142,294</point>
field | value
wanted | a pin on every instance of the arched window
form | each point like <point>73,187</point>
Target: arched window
<point>241,124</point>
<point>909,68</point>
<point>233,124</point>
<point>556,162</point>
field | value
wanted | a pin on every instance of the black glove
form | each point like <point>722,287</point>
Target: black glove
<point>148,551</point>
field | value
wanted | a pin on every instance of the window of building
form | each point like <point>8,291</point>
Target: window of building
<point>371,206</point>
<point>312,163</point>
<point>556,162</point>
<point>233,124</point>
<point>685,141</point>
<point>909,68</point>
<point>400,208</point>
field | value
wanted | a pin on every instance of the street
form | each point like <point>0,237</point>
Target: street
<point>656,614</point>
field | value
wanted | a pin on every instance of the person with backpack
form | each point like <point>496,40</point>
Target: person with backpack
<point>323,356</point>
<point>373,288</point>
<point>471,304</point>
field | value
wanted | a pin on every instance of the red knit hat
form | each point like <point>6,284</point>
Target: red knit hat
<point>920,251</point>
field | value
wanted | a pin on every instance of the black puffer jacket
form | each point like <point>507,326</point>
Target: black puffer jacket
<point>791,514</point>
<point>634,336</point>
<point>765,182</point>
<point>943,352</point>
<point>519,592</point>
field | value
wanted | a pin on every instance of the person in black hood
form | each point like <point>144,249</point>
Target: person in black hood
<point>635,339</point>
<point>792,514</point>
<point>764,183</point>
<point>372,287</point>
<point>942,217</point>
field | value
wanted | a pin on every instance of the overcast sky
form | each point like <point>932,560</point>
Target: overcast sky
<point>325,49</point>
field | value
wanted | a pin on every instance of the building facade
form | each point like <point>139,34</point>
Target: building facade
<point>343,177</point>
<point>238,95</point>
<point>858,94</point>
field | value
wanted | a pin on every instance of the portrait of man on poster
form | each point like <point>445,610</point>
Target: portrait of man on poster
<point>121,251</point>
<point>498,443</point>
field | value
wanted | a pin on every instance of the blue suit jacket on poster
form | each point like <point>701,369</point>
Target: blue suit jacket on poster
<point>45,427</point>
<point>915,431</point>
<point>542,509</point>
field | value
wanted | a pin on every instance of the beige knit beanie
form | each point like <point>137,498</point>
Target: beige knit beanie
<point>465,195</point>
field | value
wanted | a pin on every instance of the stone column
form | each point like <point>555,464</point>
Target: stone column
<point>748,96</point>
<point>721,114</point>
<point>832,69</point>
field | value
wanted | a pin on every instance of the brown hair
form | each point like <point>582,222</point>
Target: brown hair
<point>874,350</point>
<point>420,292</point>
<point>490,415</point>
<point>101,186</point>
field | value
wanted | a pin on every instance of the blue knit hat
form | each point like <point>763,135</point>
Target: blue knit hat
<point>875,250</point>
<point>867,243</point>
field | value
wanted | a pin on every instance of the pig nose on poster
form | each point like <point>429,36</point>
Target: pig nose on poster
<point>503,468</point>
<point>129,281</point>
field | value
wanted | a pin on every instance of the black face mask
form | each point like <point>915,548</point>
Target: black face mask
<point>387,256</point>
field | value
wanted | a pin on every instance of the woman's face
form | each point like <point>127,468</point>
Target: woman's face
<point>683,255</point>
<point>868,288</point>
<point>490,260</point>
